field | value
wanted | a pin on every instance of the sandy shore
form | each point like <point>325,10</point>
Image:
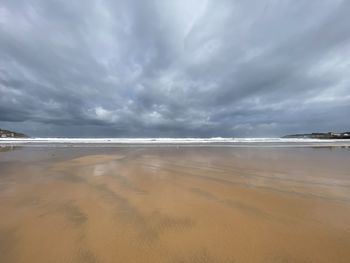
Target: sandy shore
<point>174,204</point>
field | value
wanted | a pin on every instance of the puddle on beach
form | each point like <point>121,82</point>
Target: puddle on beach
<point>171,204</point>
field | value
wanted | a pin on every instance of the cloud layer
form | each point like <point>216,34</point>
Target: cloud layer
<point>197,68</point>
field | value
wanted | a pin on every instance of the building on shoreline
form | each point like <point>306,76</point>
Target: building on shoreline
<point>11,134</point>
<point>319,135</point>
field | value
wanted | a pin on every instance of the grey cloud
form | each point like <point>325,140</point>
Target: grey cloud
<point>174,68</point>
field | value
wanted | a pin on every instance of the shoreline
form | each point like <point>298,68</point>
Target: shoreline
<point>171,142</point>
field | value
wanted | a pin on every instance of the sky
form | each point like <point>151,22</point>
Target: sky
<point>177,68</point>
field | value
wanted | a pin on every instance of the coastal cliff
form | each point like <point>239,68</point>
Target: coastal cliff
<point>11,134</point>
<point>320,135</point>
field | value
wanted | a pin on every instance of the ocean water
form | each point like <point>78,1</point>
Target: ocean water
<point>217,141</point>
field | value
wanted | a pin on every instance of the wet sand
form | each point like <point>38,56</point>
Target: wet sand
<point>169,204</point>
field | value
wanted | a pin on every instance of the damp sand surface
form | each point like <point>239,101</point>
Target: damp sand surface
<point>174,204</point>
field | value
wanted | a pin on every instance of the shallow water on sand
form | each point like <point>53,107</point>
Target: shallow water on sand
<point>170,204</point>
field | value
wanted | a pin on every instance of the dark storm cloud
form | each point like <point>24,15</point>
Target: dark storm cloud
<point>174,68</point>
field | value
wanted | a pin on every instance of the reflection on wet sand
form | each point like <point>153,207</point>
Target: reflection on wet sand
<point>176,205</point>
<point>7,148</point>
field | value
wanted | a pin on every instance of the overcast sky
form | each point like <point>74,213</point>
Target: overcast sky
<point>177,68</point>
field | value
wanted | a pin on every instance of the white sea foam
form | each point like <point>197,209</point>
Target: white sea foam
<point>186,141</point>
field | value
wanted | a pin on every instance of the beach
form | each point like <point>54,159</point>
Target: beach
<point>171,203</point>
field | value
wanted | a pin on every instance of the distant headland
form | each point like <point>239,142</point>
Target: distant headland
<point>11,134</point>
<point>321,135</point>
